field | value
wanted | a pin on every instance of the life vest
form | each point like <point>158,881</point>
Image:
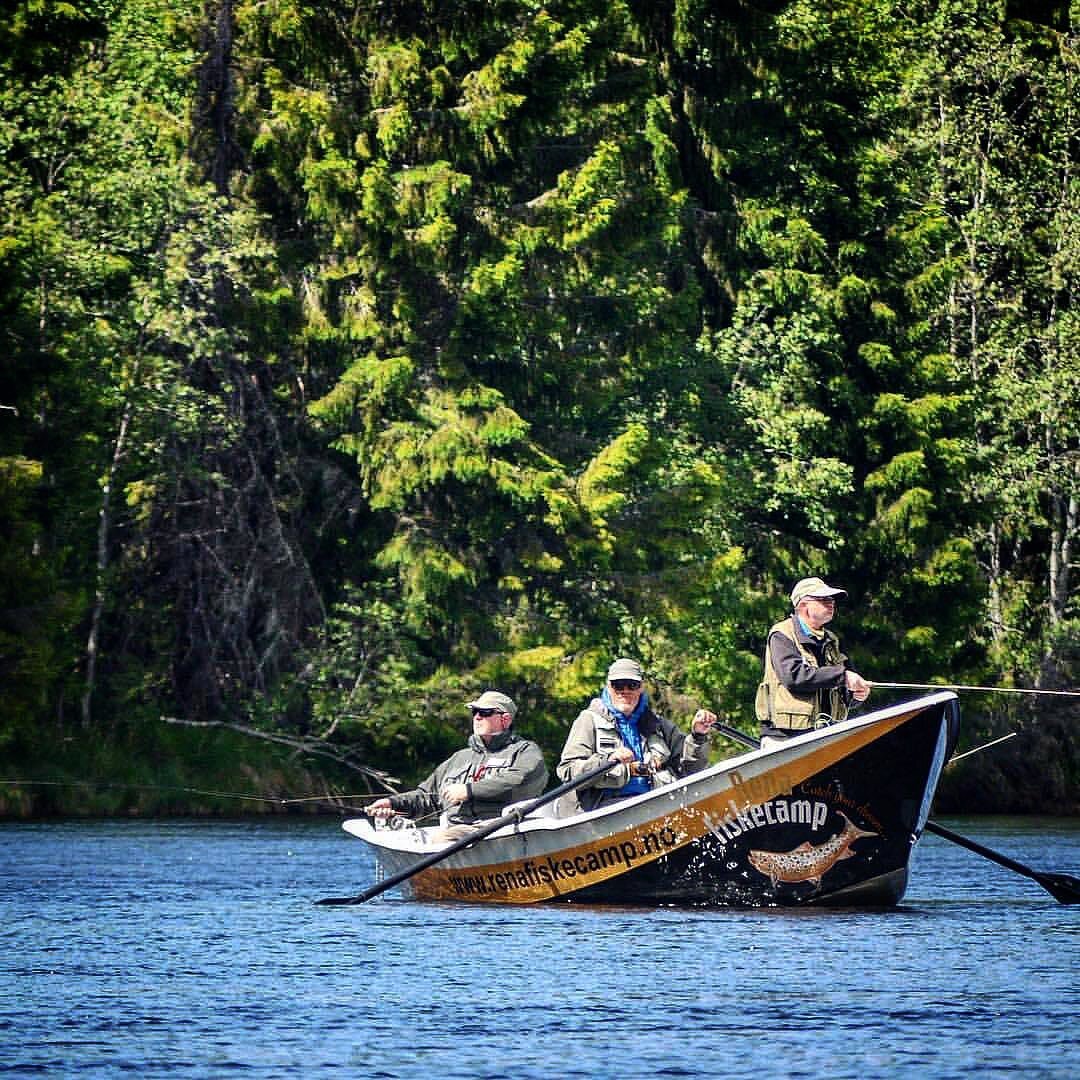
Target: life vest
<point>776,706</point>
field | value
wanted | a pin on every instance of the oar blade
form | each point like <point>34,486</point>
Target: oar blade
<point>1062,887</point>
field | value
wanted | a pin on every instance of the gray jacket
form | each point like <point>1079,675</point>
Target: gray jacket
<point>595,735</point>
<point>508,770</point>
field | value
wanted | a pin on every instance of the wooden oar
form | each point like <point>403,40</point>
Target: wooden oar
<point>1062,887</point>
<point>484,830</point>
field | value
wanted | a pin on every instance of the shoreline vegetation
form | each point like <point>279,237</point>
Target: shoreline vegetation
<point>171,773</point>
<point>158,771</point>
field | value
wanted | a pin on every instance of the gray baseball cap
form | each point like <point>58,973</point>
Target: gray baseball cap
<point>624,668</point>
<point>493,699</point>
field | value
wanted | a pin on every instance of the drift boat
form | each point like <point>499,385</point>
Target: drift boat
<point>827,818</point>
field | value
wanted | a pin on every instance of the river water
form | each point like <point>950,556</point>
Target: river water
<point>193,949</point>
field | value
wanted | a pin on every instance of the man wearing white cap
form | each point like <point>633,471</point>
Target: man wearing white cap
<point>619,725</point>
<point>496,768</point>
<point>807,682</point>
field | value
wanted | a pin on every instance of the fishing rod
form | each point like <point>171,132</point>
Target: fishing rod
<point>246,797</point>
<point>980,689</point>
<point>978,749</point>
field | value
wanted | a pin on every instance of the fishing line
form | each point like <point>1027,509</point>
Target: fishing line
<point>328,798</point>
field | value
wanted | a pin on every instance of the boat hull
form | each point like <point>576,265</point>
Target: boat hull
<point>830,817</point>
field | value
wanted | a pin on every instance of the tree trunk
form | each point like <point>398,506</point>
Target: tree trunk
<point>104,525</point>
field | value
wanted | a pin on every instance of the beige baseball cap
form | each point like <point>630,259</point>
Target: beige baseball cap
<point>813,586</point>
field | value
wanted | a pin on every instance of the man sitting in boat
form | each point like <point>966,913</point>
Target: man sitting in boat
<point>807,682</point>
<point>620,725</point>
<point>496,767</point>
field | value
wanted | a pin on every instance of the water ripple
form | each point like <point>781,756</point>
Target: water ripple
<point>192,950</point>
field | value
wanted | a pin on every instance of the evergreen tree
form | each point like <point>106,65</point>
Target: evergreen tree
<point>359,355</point>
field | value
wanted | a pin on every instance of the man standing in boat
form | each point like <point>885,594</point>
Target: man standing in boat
<point>495,768</point>
<point>807,682</point>
<point>619,725</point>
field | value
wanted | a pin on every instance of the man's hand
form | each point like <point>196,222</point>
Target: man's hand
<point>453,794</point>
<point>859,687</point>
<point>380,808</point>
<point>703,722</point>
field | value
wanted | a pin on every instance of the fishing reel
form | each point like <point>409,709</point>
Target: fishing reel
<point>394,823</point>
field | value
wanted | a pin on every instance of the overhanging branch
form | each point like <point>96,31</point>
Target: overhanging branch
<point>317,747</point>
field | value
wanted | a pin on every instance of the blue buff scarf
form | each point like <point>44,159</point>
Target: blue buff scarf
<point>631,735</point>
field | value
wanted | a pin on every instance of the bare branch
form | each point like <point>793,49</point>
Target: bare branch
<point>316,747</point>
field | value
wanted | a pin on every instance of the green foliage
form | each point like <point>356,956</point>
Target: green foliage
<point>35,613</point>
<point>155,769</point>
<point>357,357</point>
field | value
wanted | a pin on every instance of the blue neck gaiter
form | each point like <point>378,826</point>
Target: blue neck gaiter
<point>631,735</point>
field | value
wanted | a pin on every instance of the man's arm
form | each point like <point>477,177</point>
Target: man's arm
<point>795,673</point>
<point>689,753</point>
<point>801,678</point>
<point>419,802</point>
<point>580,754</point>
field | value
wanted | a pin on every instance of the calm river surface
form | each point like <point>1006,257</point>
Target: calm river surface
<point>193,949</point>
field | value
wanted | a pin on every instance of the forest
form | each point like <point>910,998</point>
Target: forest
<point>359,355</point>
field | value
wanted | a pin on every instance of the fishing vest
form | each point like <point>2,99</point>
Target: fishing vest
<point>776,706</point>
<point>659,739</point>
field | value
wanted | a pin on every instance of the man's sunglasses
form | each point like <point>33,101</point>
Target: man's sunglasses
<point>487,712</point>
<point>625,684</point>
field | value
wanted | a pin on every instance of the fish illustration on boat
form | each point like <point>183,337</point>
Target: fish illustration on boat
<point>807,862</point>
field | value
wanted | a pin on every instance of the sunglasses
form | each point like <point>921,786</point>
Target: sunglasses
<point>625,684</point>
<point>487,712</point>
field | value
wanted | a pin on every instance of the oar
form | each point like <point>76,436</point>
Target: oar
<point>737,736</point>
<point>1062,887</point>
<point>485,830</point>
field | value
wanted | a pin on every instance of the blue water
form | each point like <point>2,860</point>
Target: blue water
<point>193,949</point>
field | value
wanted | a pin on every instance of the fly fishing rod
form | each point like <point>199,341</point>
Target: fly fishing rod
<point>978,689</point>
<point>980,749</point>
<point>329,798</point>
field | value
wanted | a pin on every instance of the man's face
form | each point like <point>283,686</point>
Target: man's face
<point>625,693</point>
<point>817,610</point>
<point>487,723</point>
